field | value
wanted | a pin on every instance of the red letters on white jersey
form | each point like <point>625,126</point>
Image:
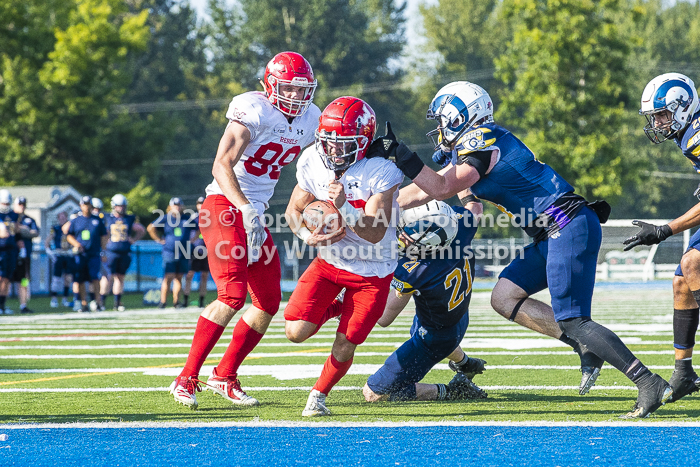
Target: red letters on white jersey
<point>274,143</point>
<point>362,180</point>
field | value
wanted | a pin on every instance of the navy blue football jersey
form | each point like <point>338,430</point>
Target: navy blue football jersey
<point>518,183</point>
<point>59,241</point>
<point>118,229</point>
<point>441,284</point>
<point>177,230</point>
<point>88,231</point>
<point>30,224</point>
<point>199,239</point>
<point>689,142</point>
<point>10,220</point>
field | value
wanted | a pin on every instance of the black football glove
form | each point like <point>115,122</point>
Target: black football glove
<point>649,234</point>
<point>407,161</point>
<point>383,146</point>
<point>442,158</point>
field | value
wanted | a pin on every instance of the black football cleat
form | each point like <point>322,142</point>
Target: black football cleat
<point>462,388</point>
<point>683,385</point>
<point>470,367</point>
<point>650,398</point>
<point>589,375</point>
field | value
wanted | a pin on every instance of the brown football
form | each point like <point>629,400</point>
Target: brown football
<point>322,213</point>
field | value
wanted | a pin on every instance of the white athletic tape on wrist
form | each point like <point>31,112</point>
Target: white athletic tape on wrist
<point>350,214</point>
<point>249,214</point>
<point>303,234</point>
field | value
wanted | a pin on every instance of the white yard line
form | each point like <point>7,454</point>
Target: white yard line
<point>308,388</point>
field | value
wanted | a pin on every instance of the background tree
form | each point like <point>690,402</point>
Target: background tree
<point>62,71</point>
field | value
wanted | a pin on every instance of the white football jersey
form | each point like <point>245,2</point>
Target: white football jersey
<point>363,179</point>
<point>274,143</point>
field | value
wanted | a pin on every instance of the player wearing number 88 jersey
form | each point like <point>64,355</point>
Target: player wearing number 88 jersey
<point>266,131</point>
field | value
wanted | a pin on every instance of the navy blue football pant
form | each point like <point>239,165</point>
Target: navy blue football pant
<point>415,358</point>
<point>694,243</point>
<point>566,263</point>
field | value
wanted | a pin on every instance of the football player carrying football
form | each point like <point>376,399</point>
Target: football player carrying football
<point>437,269</point>
<point>670,104</point>
<point>266,131</point>
<point>499,168</point>
<point>360,258</point>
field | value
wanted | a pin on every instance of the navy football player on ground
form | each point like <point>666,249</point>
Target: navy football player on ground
<point>437,269</point>
<point>670,104</point>
<point>497,167</point>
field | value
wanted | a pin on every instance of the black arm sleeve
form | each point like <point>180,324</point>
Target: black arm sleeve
<point>480,160</point>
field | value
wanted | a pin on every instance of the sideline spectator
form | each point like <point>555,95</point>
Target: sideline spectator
<point>8,246</point>
<point>177,232</point>
<point>59,250</point>
<point>26,231</point>
<point>87,235</point>
<point>199,263</point>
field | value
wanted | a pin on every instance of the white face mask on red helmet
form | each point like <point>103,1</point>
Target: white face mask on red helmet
<point>289,69</point>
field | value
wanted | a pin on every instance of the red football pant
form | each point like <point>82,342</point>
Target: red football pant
<point>363,304</point>
<point>225,238</point>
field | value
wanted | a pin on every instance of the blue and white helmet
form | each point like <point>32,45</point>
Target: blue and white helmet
<point>457,107</point>
<point>427,228</point>
<point>672,92</point>
<point>118,200</point>
<point>5,201</point>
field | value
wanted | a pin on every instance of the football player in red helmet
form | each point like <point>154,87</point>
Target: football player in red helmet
<point>362,261</point>
<point>289,83</point>
<point>266,131</point>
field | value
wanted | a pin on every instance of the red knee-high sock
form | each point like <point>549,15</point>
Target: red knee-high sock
<point>206,335</point>
<point>335,309</point>
<point>244,341</point>
<point>333,371</point>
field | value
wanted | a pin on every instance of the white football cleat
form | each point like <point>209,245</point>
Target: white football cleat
<point>54,302</point>
<point>316,405</point>
<point>183,390</point>
<point>230,389</point>
<point>121,308</point>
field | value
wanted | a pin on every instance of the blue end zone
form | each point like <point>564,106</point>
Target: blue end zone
<point>500,446</point>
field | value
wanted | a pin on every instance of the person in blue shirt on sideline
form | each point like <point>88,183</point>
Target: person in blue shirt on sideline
<point>199,263</point>
<point>8,246</point>
<point>672,109</point>
<point>178,230</point>
<point>123,230</point>
<point>59,250</point>
<point>496,166</point>
<point>437,270</point>
<point>88,236</point>
<point>27,229</point>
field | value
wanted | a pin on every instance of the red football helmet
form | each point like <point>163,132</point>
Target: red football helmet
<point>289,68</point>
<point>345,131</point>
